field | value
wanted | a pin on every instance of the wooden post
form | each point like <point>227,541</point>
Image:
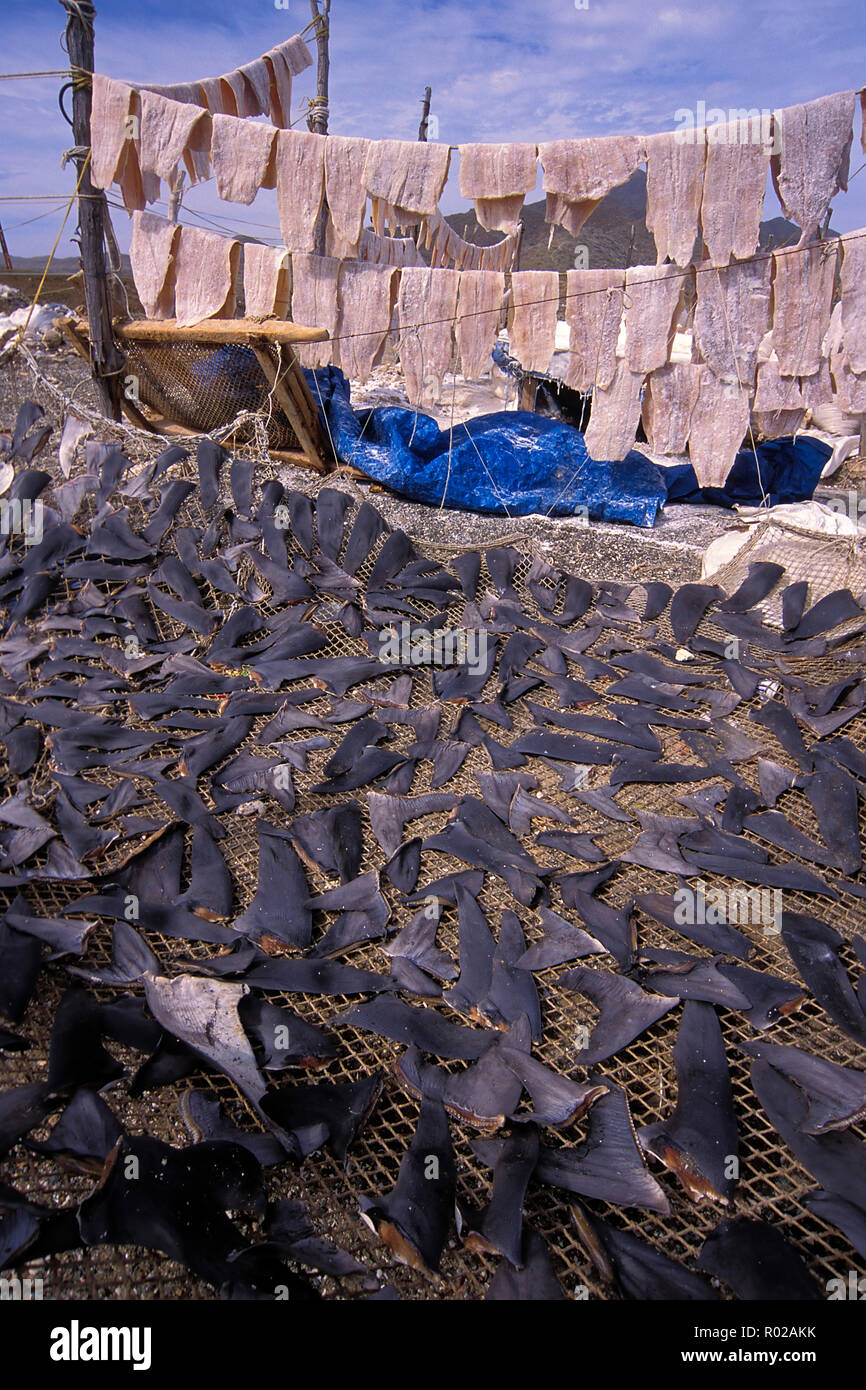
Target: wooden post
<point>425,113</point>
<point>422,135</point>
<point>175,194</point>
<point>106,360</point>
<point>317,121</point>
<point>7,259</point>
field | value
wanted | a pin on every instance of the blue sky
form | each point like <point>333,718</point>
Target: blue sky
<point>500,70</point>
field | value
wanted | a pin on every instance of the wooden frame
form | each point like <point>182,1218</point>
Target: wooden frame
<point>285,382</point>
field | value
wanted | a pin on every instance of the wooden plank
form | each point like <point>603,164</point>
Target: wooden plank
<point>219,331</point>
<point>309,441</point>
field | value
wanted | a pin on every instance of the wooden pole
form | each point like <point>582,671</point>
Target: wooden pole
<point>318,118</point>
<point>425,113</point>
<point>106,360</point>
<point>317,121</point>
<point>7,259</point>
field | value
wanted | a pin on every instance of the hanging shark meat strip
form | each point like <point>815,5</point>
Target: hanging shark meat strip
<point>364,297</point>
<point>427,308</point>
<point>579,173</point>
<point>242,153</point>
<point>535,301</point>
<point>152,257</point>
<point>300,165</point>
<point>669,402</point>
<point>266,281</point>
<point>315,303</point>
<point>593,311</point>
<point>479,307</point>
<point>344,190</point>
<point>497,179</point>
<point>803,282</point>
<point>814,141</point>
<point>719,423</point>
<point>735,180</point>
<point>652,297</point>
<point>732,314</point>
<point>616,408</point>
<point>674,185</point>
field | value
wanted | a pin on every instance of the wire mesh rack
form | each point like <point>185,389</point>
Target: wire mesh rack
<point>772,1184</point>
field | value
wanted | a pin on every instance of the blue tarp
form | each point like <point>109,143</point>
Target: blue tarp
<point>517,463</point>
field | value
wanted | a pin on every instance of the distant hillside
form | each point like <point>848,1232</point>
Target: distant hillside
<point>615,235</point>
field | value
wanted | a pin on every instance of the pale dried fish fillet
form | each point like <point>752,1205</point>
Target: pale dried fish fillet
<point>241,152</point>
<point>669,402</point>
<point>266,281</point>
<point>593,312</point>
<point>610,435</point>
<point>427,308</point>
<point>854,298</point>
<point>314,304</point>
<point>532,327</point>
<point>407,174</point>
<point>732,314</point>
<point>479,309</point>
<point>300,163</point>
<point>345,157</point>
<point>579,173</point>
<point>167,129</point>
<point>652,298</point>
<point>152,261</point>
<point>720,421</point>
<point>774,391</point>
<point>735,180</point>
<point>817,390</point>
<point>113,104</point>
<point>814,143</point>
<point>365,300</point>
<point>803,284</point>
<point>497,179</point>
<point>674,185</point>
<point>206,271</point>
<point>259,78</point>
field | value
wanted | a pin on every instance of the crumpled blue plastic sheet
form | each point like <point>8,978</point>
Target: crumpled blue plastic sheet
<point>785,470</point>
<point>517,463</point>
